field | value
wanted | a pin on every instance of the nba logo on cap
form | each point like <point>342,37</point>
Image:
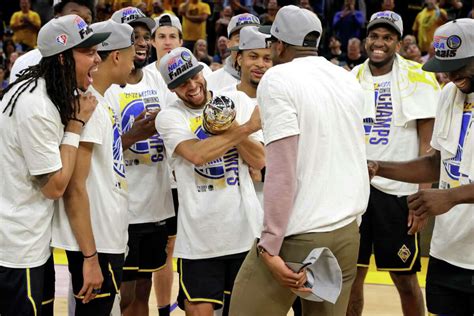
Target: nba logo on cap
<point>61,39</point>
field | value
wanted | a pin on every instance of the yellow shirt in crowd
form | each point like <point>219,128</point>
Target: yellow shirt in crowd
<point>426,22</point>
<point>193,31</point>
<point>25,35</point>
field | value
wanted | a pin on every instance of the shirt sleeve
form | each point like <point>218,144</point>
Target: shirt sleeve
<point>173,128</point>
<point>277,109</point>
<point>95,128</point>
<point>40,138</point>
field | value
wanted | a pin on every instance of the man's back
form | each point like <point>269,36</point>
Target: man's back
<point>321,103</point>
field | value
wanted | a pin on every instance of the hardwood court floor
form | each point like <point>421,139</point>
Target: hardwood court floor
<point>381,297</point>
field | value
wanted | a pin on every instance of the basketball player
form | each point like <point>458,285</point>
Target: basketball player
<point>83,8</point>
<point>449,289</point>
<point>217,202</point>
<point>150,200</point>
<point>97,193</point>
<point>401,99</point>
<point>38,155</point>
<point>228,75</point>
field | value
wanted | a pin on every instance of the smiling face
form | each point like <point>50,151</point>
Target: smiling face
<point>142,44</point>
<point>253,65</point>
<point>86,60</point>
<point>464,77</point>
<point>193,92</point>
<point>381,45</point>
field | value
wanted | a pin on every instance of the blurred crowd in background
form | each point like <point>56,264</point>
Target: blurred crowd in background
<point>205,25</point>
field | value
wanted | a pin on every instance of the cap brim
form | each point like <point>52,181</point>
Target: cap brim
<point>93,40</point>
<point>237,28</point>
<point>265,29</point>
<point>149,22</point>
<point>182,79</point>
<point>438,65</point>
<point>383,22</point>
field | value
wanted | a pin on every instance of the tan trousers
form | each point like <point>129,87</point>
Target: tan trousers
<point>257,293</point>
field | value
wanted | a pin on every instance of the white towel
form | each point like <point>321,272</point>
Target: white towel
<point>415,92</point>
<point>448,128</point>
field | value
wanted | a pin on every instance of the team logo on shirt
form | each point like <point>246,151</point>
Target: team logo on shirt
<point>151,150</point>
<point>117,151</point>
<point>217,174</point>
<point>452,165</point>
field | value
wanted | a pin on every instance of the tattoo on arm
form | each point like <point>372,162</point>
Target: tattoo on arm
<point>40,181</point>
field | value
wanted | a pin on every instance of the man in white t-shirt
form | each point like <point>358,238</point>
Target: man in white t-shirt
<point>148,176</point>
<point>228,75</point>
<point>98,188</point>
<point>252,61</point>
<point>316,182</point>
<point>401,101</point>
<point>83,8</point>
<point>449,287</point>
<point>218,206</point>
<point>38,155</point>
<point>166,36</point>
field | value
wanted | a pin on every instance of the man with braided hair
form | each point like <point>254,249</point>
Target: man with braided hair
<point>40,127</point>
<point>83,8</point>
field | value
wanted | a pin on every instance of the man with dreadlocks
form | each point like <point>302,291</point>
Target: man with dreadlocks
<point>83,8</point>
<point>42,117</point>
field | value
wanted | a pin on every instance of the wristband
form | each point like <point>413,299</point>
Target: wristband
<point>78,120</point>
<point>92,255</point>
<point>71,139</point>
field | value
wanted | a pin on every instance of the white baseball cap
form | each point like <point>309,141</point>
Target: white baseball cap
<point>167,19</point>
<point>251,38</point>
<point>133,15</point>
<point>292,24</point>
<point>121,35</point>
<point>178,66</point>
<point>239,21</point>
<point>66,32</point>
<point>386,18</point>
<point>454,46</point>
<point>323,275</point>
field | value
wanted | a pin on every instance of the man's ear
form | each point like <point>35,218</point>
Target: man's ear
<point>61,59</point>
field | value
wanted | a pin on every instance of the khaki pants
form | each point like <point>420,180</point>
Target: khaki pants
<point>257,293</point>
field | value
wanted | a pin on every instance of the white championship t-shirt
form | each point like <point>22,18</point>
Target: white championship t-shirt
<point>387,142</point>
<point>29,146</point>
<point>146,167</point>
<point>320,102</point>
<point>31,58</point>
<point>106,186</point>
<point>220,79</point>
<point>219,213</point>
<point>258,185</point>
<point>453,234</point>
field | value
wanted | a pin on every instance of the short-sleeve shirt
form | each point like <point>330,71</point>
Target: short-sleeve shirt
<point>219,213</point>
<point>453,234</point>
<point>25,35</point>
<point>106,186</point>
<point>321,103</point>
<point>29,146</point>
